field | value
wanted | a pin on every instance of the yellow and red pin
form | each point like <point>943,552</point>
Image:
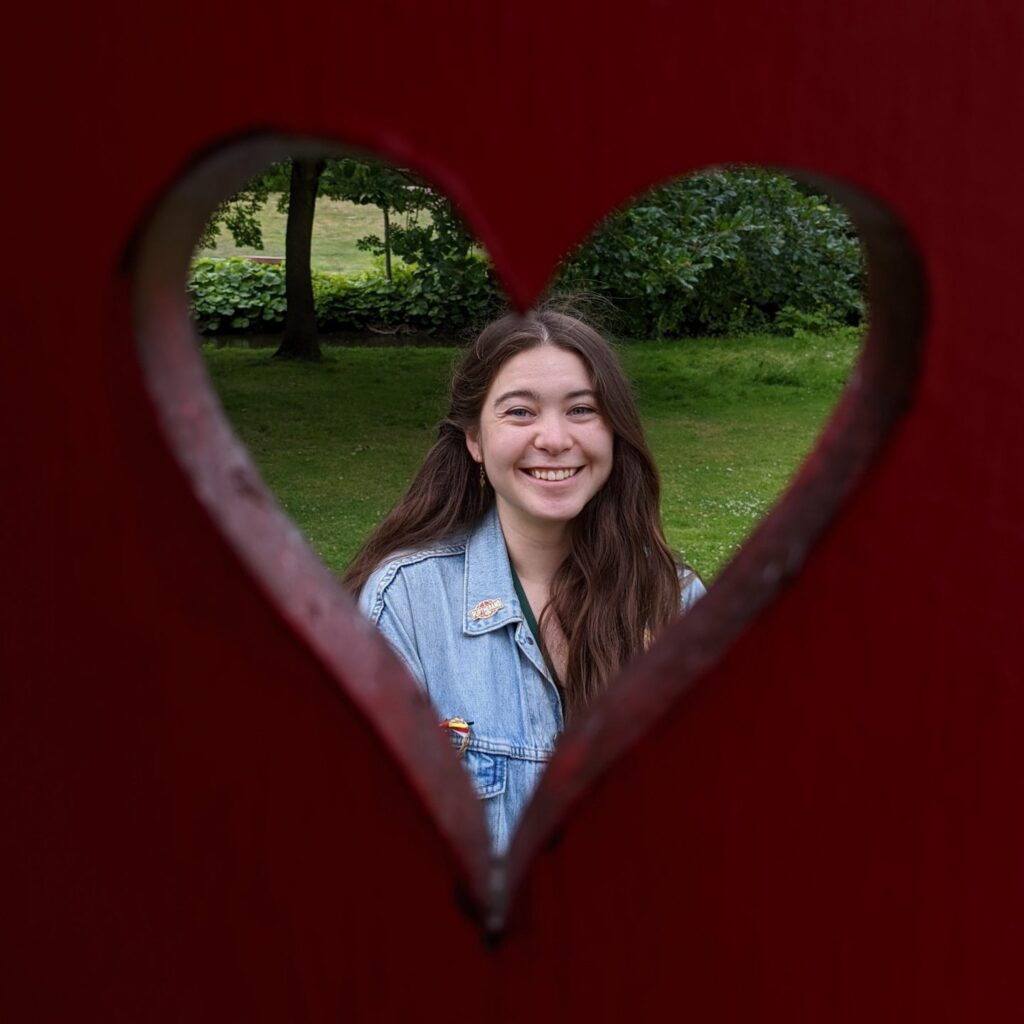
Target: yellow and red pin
<point>461,728</point>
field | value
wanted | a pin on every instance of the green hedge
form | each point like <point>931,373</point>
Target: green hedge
<point>237,295</point>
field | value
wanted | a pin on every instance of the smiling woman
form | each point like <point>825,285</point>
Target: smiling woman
<point>526,564</point>
<point>543,442</point>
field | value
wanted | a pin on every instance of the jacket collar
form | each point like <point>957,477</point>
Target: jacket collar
<point>490,597</point>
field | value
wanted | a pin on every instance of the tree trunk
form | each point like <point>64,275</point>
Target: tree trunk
<point>300,338</point>
<point>387,244</point>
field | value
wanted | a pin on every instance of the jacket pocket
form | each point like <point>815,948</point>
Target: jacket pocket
<point>486,771</point>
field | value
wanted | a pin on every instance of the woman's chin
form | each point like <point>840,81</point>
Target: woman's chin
<point>555,514</point>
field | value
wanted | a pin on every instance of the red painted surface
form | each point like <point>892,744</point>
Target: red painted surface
<point>198,824</point>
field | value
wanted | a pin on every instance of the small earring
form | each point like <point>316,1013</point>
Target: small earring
<point>483,477</point>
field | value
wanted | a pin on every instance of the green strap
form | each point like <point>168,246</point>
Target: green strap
<point>531,620</point>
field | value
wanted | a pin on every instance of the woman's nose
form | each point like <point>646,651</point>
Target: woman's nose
<point>552,434</point>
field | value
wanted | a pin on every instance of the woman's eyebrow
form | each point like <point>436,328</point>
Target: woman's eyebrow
<point>520,393</point>
<point>534,397</point>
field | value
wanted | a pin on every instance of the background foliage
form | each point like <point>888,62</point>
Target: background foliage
<point>729,250</point>
<point>237,295</point>
<point>726,250</point>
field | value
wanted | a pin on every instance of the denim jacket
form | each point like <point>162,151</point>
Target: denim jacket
<point>451,613</point>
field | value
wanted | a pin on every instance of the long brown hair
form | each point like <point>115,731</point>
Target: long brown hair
<point>619,584</point>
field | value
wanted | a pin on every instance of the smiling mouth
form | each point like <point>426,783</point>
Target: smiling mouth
<point>552,474</point>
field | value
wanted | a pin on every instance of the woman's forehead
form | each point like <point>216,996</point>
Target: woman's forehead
<point>544,369</point>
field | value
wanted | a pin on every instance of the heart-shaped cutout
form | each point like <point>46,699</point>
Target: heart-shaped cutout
<point>306,594</point>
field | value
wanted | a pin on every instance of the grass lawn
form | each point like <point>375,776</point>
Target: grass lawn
<point>336,227</point>
<point>729,420</point>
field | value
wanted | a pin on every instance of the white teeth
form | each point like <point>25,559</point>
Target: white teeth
<point>552,474</point>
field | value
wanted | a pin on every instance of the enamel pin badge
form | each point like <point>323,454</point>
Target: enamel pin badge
<point>485,609</point>
<point>458,727</point>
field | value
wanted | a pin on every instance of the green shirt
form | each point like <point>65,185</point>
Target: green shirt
<point>531,620</point>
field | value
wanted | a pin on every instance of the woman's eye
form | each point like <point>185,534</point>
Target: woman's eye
<point>517,412</point>
<point>581,410</point>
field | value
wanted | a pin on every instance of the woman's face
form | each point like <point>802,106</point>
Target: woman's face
<point>544,442</point>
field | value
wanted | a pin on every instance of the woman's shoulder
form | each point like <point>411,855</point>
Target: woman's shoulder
<point>426,566</point>
<point>691,586</point>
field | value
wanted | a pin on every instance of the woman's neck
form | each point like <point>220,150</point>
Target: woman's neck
<point>535,553</point>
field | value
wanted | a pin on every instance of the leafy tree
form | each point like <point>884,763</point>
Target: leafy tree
<point>300,340</point>
<point>723,251</point>
<point>371,182</point>
<point>296,181</point>
<point>432,235</point>
<point>239,215</point>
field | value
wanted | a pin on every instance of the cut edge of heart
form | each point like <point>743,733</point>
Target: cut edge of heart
<point>306,594</point>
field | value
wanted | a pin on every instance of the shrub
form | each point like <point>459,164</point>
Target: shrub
<point>238,295</point>
<point>725,251</point>
<point>791,321</point>
<point>453,296</point>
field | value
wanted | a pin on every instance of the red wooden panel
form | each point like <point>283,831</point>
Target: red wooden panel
<point>198,821</point>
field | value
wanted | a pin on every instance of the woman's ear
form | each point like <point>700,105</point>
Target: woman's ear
<point>473,444</point>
